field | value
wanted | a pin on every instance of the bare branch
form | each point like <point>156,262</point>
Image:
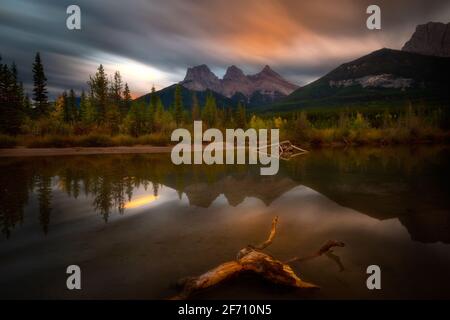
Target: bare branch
<point>327,247</point>
<point>336,259</point>
<point>269,240</point>
<point>252,259</point>
<point>210,278</point>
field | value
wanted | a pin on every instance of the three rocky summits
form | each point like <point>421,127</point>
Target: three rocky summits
<point>267,82</point>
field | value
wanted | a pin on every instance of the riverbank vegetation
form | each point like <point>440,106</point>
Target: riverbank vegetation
<point>106,115</point>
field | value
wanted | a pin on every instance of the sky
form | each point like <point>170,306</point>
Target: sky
<point>153,42</point>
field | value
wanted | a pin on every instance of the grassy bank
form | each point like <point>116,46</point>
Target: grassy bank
<point>356,136</point>
<point>91,140</point>
<point>351,127</point>
<point>312,137</point>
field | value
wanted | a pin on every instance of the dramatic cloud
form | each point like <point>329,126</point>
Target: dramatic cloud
<point>153,42</point>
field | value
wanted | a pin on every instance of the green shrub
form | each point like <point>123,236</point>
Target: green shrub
<point>8,141</point>
<point>95,140</point>
<point>51,142</point>
<point>123,140</point>
<point>154,139</point>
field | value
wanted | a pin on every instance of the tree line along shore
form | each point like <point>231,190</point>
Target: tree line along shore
<point>105,115</point>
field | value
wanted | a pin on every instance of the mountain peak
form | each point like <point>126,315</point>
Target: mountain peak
<point>199,71</point>
<point>268,71</point>
<point>233,68</point>
<point>200,78</point>
<point>266,68</point>
<point>233,73</point>
<point>432,38</point>
<point>267,82</point>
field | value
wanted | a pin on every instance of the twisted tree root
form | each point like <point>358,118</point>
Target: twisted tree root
<point>251,258</point>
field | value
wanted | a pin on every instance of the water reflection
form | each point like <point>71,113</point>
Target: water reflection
<point>388,205</point>
<point>140,201</point>
<point>408,184</point>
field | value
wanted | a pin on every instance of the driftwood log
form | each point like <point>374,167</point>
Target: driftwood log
<point>253,259</point>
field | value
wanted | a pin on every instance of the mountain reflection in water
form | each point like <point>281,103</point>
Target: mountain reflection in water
<point>341,194</point>
<point>411,185</point>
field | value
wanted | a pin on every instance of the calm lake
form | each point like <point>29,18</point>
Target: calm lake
<point>135,224</point>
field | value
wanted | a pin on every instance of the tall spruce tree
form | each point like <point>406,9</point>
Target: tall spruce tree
<point>136,119</point>
<point>65,107</point>
<point>83,114</point>
<point>11,100</point>
<point>72,106</point>
<point>178,105</point>
<point>17,87</point>
<point>159,112</point>
<point>241,116</point>
<point>228,119</point>
<point>209,113</point>
<point>40,94</point>
<point>151,111</point>
<point>98,85</point>
<point>116,89</point>
<point>195,107</point>
<point>153,98</point>
<point>126,105</point>
<point>27,105</point>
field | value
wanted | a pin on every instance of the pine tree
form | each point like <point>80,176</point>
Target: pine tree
<point>178,105</point>
<point>28,105</point>
<point>117,86</point>
<point>209,114</point>
<point>228,121</point>
<point>65,107</point>
<point>11,100</point>
<point>1,78</point>
<point>113,118</point>
<point>151,110</point>
<point>135,120</point>
<point>126,105</point>
<point>241,116</point>
<point>40,87</point>
<point>195,107</point>
<point>159,114</point>
<point>159,108</point>
<point>3,85</point>
<point>17,87</point>
<point>91,113</point>
<point>83,108</point>
<point>153,98</point>
<point>22,97</point>
<point>58,114</point>
<point>116,89</point>
<point>17,114</point>
<point>98,86</point>
<point>149,117</point>
<point>72,106</point>
<point>220,118</point>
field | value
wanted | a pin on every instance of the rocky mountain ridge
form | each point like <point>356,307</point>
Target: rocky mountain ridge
<point>266,82</point>
<point>432,38</point>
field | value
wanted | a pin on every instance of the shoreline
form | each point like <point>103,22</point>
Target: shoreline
<point>39,152</point>
<point>23,151</point>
